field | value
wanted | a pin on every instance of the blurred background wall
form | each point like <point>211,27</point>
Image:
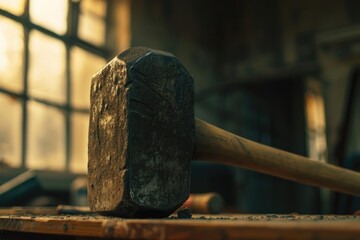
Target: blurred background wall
<point>278,72</point>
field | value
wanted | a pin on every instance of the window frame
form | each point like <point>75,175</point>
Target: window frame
<point>69,39</point>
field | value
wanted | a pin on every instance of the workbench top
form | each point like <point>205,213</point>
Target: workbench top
<point>269,226</point>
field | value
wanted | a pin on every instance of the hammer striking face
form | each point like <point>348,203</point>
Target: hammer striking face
<point>141,135</point>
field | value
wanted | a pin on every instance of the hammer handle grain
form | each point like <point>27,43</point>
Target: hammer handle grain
<point>217,145</point>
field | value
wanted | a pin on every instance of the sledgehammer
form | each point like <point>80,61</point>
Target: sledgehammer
<point>143,135</point>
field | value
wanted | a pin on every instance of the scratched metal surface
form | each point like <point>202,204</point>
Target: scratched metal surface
<point>141,135</point>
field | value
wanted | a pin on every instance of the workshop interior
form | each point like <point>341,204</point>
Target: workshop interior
<point>281,73</point>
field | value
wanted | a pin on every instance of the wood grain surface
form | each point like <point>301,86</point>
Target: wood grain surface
<point>218,145</point>
<point>268,226</point>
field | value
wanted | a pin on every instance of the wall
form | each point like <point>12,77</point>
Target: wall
<point>234,48</point>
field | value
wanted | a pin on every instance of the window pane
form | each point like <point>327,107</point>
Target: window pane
<point>10,131</point>
<point>92,21</point>
<point>46,137</point>
<point>83,66</point>
<point>315,120</point>
<point>79,140</point>
<point>50,14</point>
<point>11,55</point>
<point>47,68</point>
<point>14,6</point>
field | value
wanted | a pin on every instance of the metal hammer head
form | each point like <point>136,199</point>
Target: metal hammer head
<point>141,135</point>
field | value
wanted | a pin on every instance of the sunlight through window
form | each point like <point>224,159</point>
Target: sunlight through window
<point>13,6</point>
<point>315,120</point>
<point>50,14</point>
<point>46,138</point>
<point>10,129</point>
<point>91,21</point>
<point>47,68</point>
<point>11,55</point>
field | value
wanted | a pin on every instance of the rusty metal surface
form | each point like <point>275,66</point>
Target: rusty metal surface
<point>268,226</point>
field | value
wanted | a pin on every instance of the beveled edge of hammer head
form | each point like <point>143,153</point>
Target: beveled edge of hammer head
<point>141,135</point>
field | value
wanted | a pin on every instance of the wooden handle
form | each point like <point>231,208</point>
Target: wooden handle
<point>217,145</point>
<point>211,203</point>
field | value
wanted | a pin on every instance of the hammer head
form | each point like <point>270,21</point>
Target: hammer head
<point>141,135</point>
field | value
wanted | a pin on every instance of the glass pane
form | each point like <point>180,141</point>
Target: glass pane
<point>316,129</point>
<point>14,6</point>
<point>46,137</point>
<point>10,131</point>
<point>11,55</point>
<point>47,68</point>
<point>79,141</point>
<point>92,21</point>
<point>83,66</point>
<point>50,14</point>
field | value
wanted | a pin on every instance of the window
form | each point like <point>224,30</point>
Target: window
<point>315,121</point>
<point>48,52</point>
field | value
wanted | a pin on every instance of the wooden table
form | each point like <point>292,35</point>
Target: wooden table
<point>270,226</point>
